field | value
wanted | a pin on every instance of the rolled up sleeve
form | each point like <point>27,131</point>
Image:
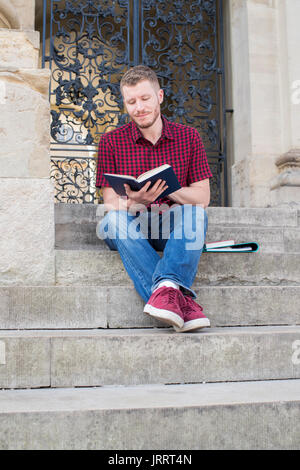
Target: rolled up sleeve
<point>198,167</point>
<point>106,162</point>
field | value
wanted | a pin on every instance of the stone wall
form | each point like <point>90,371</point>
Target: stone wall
<point>26,192</point>
<point>264,38</point>
<point>263,70</point>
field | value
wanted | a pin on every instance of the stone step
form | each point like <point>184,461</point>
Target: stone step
<point>71,307</point>
<point>274,230</point>
<point>81,267</point>
<point>75,358</point>
<point>270,240</point>
<point>233,216</point>
<point>244,415</point>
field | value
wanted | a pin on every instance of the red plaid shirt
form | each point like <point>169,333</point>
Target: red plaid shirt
<point>125,151</point>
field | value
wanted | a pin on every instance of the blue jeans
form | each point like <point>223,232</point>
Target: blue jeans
<point>178,232</point>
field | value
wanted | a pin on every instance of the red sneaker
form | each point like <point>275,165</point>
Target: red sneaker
<point>194,317</point>
<point>165,305</point>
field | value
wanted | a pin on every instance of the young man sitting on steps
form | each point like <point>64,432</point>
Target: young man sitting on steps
<point>175,225</point>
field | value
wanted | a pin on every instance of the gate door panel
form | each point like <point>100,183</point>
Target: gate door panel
<point>89,44</point>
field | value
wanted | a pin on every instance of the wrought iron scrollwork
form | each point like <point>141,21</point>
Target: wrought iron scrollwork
<point>179,43</point>
<point>92,43</point>
<point>89,52</point>
<point>74,175</point>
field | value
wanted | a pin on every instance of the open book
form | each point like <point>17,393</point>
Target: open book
<point>230,246</point>
<point>164,172</point>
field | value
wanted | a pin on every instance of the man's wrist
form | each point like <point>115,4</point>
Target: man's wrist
<point>129,202</point>
<point>174,196</point>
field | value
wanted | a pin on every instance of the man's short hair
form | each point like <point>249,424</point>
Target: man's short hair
<point>137,74</point>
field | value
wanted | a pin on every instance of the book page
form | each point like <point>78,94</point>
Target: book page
<point>152,172</point>
<point>121,176</point>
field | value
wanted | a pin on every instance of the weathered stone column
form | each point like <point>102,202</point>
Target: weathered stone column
<point>26,192</point>
<point>285,187</point>
<point>263,39</point>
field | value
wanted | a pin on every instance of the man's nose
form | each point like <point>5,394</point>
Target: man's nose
<point>139,105</point>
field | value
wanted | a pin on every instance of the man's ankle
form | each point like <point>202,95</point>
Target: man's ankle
<point>166,283</point>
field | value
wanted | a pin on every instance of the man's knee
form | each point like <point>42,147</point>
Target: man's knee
<point>189,212</point>
<point>194,225</point>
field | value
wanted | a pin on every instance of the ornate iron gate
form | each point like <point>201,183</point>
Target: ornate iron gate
<point>88,44</point>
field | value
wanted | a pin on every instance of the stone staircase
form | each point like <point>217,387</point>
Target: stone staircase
<point>81,366</point>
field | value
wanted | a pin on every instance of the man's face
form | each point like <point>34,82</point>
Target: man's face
<point>142,103</point>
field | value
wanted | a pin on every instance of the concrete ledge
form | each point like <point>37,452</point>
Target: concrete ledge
<point>131,357</point>
<point>246,415</point>
<point>235,216</point>
<point>83,236</point>
<point>223,305</point>
<point>53,307</point>
<point>87,267</point>
<point>75,227</point>
<point>292,239</point>
<point>24,361</point>
<point>138,356</point>
<point>32,307</point>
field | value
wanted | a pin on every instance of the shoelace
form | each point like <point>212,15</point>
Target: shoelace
<point>173,294</point>
<point>188,306</point>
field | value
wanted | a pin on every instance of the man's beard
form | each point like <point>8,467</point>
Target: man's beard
<point>150,123</point>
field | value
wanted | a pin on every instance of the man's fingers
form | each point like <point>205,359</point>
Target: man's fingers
<point>146,186</point>
<point>162,187</point>
<point>157,187</point>
<point>146,195</point>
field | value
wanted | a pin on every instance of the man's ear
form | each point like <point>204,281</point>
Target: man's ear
<point>160,95</point>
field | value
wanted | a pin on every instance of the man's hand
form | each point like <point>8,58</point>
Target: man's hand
<point>144,195</point>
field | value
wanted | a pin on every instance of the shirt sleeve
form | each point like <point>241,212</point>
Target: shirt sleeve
<point>199,167</point>
<point>106,162</point>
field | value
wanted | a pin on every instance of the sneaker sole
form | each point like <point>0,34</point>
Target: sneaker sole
<point>193,325</point>
<point>165,316</point>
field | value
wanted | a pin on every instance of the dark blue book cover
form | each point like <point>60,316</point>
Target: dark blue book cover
<point>164,172</point>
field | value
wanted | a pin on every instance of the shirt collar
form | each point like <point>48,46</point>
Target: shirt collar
<point>166,132</point>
